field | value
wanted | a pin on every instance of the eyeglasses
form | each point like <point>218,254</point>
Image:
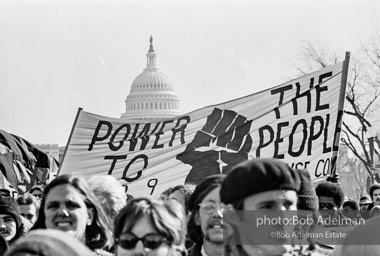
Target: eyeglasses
<point>151,241</point>
<point>328,206</point>
<point>209,207</point>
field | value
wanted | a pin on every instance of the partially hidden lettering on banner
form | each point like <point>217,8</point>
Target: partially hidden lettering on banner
<point>297,122</point>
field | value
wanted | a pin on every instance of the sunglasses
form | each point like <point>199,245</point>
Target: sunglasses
<point>328,206</point>
<point>151,241</point>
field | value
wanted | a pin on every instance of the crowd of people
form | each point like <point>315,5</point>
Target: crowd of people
<point>219,216</point>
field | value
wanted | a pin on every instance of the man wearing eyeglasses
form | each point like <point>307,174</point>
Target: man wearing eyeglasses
<point>205,226</point>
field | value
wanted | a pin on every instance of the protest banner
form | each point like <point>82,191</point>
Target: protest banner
<point>298,122</point>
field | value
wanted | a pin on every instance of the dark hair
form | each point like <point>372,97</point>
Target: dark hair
<point>201,191</point>
<point>373,188</point>
<point>129,197</point>
<point>98,234</point>
<point>329,189</point>
<point>364,198</point>
<point>238,204</point>
<point>36,188</point>
<point>168,218</point>
<point>352,204</point>
<point>193,230</point>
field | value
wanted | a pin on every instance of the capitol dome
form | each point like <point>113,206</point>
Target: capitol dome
<point>152,95</point>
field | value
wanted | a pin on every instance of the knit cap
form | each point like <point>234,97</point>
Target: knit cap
<point>8,205</point>
<point>203,188</point>
<point>307,198</point>
<point>256,176</point>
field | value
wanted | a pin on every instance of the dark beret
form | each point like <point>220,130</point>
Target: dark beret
<point>256,176</point>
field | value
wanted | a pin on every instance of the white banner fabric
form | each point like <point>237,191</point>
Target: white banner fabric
<point>297,122</point>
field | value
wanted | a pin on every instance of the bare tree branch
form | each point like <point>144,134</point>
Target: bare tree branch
<point>362,93</point>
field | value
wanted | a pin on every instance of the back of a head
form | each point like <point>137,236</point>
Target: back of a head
<point>352,204</point>
<point>109,192</point>
<point>363,240</point>
<point>356,250</point>
<point>48,242</point>
<point>186,191</point>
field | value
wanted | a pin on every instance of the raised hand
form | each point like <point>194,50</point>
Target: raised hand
<point>223,142</point>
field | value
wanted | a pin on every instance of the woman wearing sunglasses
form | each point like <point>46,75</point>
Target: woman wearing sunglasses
<point>150,227</point>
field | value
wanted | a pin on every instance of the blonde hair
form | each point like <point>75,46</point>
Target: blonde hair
<point>110,193</point>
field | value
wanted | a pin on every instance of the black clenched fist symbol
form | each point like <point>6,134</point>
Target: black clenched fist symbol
<point>223,142</point>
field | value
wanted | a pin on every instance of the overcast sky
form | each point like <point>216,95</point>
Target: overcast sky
<point>57,56</point>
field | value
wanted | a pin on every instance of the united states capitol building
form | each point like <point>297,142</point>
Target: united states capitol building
<point>152,94</point>
<point>151,97</point>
